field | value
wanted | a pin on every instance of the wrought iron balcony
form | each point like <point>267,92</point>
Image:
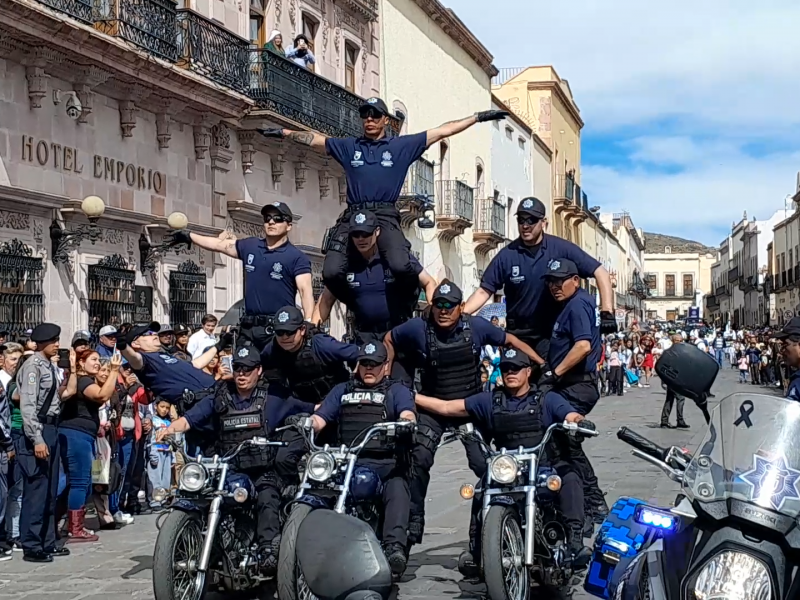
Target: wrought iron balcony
<point>712,302</point>
<point>212,50</point>
<point>418,192</point>
<point>149,24</point>
<point>564,188</point>
<point>80,10</point>
<point>490,230</point>
<point>733,275</point>
<point>720,291</point>
<point>455,207</point>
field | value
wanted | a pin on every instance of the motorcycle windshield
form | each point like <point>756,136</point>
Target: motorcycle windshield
<point>751,452</point>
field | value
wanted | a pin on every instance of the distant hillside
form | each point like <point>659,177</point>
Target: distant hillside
<point>654,243</point>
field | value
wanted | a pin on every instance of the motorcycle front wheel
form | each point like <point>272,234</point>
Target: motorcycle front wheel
<point>503,556</point>
<point>291,585</point>
<point>176,556</point>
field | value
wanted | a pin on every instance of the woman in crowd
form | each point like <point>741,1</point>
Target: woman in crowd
<point>12,356</point>
<point>80,423</point>
<point>275,43</point>
<point>649,360</point>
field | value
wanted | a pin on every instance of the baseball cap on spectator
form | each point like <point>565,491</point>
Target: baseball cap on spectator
<point>108,331</point>
<point>277,207</point>
<point>288,320</point>
<point>181,329</point>
<point>373,103</point>
<point>81,337</point>
<point>165,329</point>
<point>138,331</point>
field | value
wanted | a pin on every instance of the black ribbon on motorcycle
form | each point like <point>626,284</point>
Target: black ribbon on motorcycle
<point>746,409</point>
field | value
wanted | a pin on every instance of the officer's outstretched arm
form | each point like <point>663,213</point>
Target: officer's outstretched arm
<point>133,357</point>
<point>205,358</point>
<point>517,343</point>
<point>428,283</point>
<point>476,301</point>
<point>323,308</point>
<point>446,408</point>
<point>575,355</point>
<point>179,426</point>
<point>224,244</point>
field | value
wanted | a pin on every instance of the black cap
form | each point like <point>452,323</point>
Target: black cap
<point>447,290</point>
<point>246,356</point>
<point>374,103</point>
<point>277,207</point>
<point>288,320</point>
<point>45,332</point>
<point>363,221</point>
<point>138,331</point>
<point>532,206</point>
<point>514,358</point>
<point>791,328</point>
<point>180,329</point>
<point>299,37</point>
<point>165,329</point>
<point>81,337</point>
<point>560,268</point>
<point>374,351</point>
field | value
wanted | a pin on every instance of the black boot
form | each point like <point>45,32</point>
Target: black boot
<point>416,528</point>
<point>581,555</point>
<point>600,511</point>
<point>468,565</point>
<point>268,557</point>
<point>396,555</point>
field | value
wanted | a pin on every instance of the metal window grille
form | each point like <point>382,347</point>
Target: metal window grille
<point>21,297</point>
<point>111,291</point>
<point>187,295</point>
<point>318,286</point>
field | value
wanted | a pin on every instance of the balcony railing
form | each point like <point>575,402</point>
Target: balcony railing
<point>419,182</point>
<point>720,291</point>
<point>491,217</point>
<point>565,188</point>
<point>80,10</point>
<point>212,50</point>
<point>784,279</point>
<point>733,275</point>
<point>454,199</point>
<point>149,24</point>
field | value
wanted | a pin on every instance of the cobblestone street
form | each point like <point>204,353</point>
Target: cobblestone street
<point>120,565</point>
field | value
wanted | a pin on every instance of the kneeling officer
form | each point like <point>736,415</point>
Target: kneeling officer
<point>243,409</point>
<point>517,415</point>
<point>370,398</point>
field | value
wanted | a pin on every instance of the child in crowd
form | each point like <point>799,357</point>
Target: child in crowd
<point>615,370</point>
<point>744,367</point>
<point>159,469</point>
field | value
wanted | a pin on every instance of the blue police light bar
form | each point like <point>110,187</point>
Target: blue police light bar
<point>656,518</point>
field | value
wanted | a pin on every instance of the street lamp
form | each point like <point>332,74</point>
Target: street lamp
<point>64,241</point>
<point>149,253</point>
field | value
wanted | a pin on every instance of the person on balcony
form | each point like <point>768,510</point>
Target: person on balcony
<point>275,43</point>
<point>375,167</point>
<point>300,53</point>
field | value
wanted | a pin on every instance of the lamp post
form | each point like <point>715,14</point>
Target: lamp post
<point>149,253</point>
<point>64,241</point>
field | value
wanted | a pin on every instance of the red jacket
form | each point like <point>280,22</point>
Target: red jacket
<point>139,396</point>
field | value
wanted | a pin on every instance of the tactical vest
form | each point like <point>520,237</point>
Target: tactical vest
<point>521,427</point>
<point>361,408</point>
<point>238,425</point>
<point>308,378</point>
<point>451,369</point>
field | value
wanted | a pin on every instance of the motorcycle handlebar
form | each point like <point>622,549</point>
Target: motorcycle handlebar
<point>642,444</point>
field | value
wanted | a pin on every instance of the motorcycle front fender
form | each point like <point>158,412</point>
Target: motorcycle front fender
<point>312,501</point>
<point>190,506</point>
<point>502,501</point>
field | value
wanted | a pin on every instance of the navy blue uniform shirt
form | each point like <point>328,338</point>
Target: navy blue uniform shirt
<point>411,337</point>
<point>327,349</point>
<point>276,410</point>
<point>480,408</point>
<point>169,377</point>
<point>519,272</point>
<point>793,391</point>
<point>371,284</point>
<point>398,399</point>
<point>577,322</point>
<point>269,275</point>
<point>376,169</point>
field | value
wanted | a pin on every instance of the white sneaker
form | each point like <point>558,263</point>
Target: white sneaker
<point>5,555</point>
<point>141,496</point>
<point>122,518</point>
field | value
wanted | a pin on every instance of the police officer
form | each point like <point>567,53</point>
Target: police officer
<point>274,270</point>
<point>308,363</point>
<point>181,337</point>
<point>790,350</point>
<point>517,415</point>
<point>240,410</point>
<point>575,348</point>
<point>518,269</point>
<point>447,347</point>
<point>39,456</point>
<point>375,167</point>
<point>370,398</point>
<point>376,298</point>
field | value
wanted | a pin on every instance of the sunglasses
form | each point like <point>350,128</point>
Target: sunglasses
<point>370,113</point>
<point>277,219</point>
<point>361,235</point>
<point>285,333</point>
<point>370,364</point>
<point>510,369</point>
<point>243,370</point>
<point>445,304</point>
<point>528,220</point>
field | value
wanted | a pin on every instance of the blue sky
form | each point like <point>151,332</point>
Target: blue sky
<point>692,108</point>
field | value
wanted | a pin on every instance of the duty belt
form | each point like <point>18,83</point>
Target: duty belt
<point>519,325</point>
<point>570,379</point>
<point>257,320</point>
<point>369,206</point>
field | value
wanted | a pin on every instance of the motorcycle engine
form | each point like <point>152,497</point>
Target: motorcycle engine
<point>554,533</point>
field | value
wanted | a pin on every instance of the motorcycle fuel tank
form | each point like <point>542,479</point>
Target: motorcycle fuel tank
<point>365,484</point>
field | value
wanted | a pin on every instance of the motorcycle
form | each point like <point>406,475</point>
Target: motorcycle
<point>522,538</point>
<point>207,538</point>
<point>732,532</point>
<point>331,479</point>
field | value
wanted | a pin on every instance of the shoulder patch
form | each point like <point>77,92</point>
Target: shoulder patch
<point>32,378</point>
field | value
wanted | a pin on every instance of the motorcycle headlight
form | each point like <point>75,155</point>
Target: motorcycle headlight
<point>320,466</point>
<point>504,469</point>
<point>193,478</point>
<point>733,576</point>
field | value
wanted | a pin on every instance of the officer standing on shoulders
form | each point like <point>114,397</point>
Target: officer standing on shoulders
<point>243,409</point>
<point>447,347</point>
<point>575,348</point>
<point>309,364</point>
<point>375,167</point>
<point>367,399</point>
<point>274,270</point>
<point>790,350</point>
<point>519,269</point>
<point>377,298</point>
<point>39,454</point>
<point>517,415</point>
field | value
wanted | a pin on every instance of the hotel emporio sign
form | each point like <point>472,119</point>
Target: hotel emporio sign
<point>69,160</point>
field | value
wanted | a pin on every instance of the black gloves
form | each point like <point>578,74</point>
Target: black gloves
<point>491,115</point>
<point>548,379</point>
<point>608,324</point>
<point>225,341</point>
<point>272,132</point>
<point>122,342</point>
<point>182,236</point>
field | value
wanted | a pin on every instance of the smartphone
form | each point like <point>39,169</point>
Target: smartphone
<point>227,362</point>
<point>63,358</point>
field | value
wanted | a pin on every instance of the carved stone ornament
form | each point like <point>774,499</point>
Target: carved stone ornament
<point>16,248</point>
<point>113,237</point>
<point>277,168</point>
<point>189,266</point>
<point>37,85</point>
<point>163,134</point>
<point>14,220</point>
<point>247,229</point>
<point>342,190</point>
<point>202,140</point>
<point>86,96</point>
<point>115,261</point>
<point>220,151</point>
<point>337,33</point>
<point>248,149</point>
<point>221,136</point>
<point>130,247</point>
<point>300,170</point>
<point>292,13</point>
<point>364,58</point>
<point>324,180</point>
<point>278,12</point>
<point>127,117</point>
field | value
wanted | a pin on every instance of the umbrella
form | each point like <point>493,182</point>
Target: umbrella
<point>493,310</point>
<point>233,316</point>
